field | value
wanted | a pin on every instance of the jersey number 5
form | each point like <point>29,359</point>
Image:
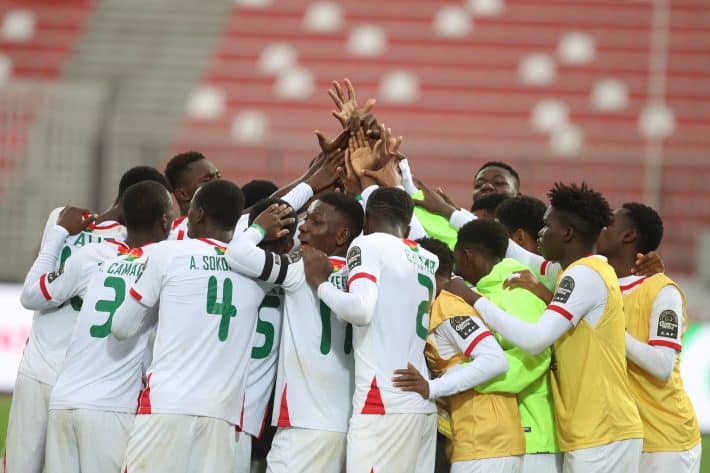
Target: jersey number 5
<point>225,309</point>
<point>266,328</point>
<point>109,305</point>
<point>423,330</point>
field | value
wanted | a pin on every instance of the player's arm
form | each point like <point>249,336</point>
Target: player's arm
<point>471,337</point>
<point>545,271</point>
<point>138,309</point>
<point>245,257</point>
<point>523,370</point>
<point>358,305</point>
<point>658,356</point>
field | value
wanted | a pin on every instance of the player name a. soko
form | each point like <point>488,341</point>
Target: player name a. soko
<point>210,263</point>
<point>126,269</point>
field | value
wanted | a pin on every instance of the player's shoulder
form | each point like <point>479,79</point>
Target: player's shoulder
<point>451,304</point>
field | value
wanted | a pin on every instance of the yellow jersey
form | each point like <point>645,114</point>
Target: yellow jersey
<point>481,425</point>
<point>669,420</point>
<point>592,398</point>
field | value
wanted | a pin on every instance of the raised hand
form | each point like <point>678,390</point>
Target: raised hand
<point>274,220</point>
<point>411,380</point>
<point>348,109</point>
<point>329,146</point>
<point>349,180</point>
<point>525,280</point>
<point>327,172</point>
<point>75,219</point>
<point>387,176</point>
<point>433,201</point>
<point>361,155</point>
<point>387,146</point>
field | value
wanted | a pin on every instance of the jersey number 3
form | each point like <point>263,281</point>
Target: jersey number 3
<point>109,306</point>
<point>225,309</point>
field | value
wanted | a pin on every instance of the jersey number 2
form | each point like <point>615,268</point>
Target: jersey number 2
<point>109,306</point>
<point>225,309</point>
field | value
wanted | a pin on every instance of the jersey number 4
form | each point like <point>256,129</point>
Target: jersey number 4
<point>225,309</point>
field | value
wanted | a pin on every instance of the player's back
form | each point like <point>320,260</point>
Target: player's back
<point>396,335</point>
<point>206,321</point>
<point>52,329</point>
<point>100,371</point>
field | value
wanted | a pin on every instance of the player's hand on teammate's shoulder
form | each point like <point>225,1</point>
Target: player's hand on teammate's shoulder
<point>274,220</point>
<point>648,264</point>
<point>410,379</point>
<point>75,219</point>
<point>316,265</point>
<point>526,280</point>
<point>458,287</point>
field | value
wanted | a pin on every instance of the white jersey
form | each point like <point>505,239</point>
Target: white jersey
<point>261,375</point>
<point>206,323</point>
<point>404,274</point>
<point>314,381</point>
<point>52,328</point>
<point>179,229</point>
<point>101,372</point>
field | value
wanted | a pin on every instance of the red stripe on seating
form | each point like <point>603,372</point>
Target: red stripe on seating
<point>475,342</point>
<point>560,310</point>
<point>43,287</point>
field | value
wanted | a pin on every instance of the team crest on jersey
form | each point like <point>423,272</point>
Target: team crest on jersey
<point>131,254</point>
<point>463,325</point>
<point>564,290</point>
<point>411,244</point>
<point>337,264</point>
<point>219,250</point>
<point>668,324</point>
<point>354,257</point>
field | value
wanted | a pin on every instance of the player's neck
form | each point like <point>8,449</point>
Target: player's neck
<point>213,233</point>
<point>137,238</point>
<point>574,252</point>
<point>622,263</point>
<point>389,228</point>
<point>114,213</point>
<point>184,208</point>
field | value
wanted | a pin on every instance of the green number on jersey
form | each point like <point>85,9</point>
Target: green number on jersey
<point>325,342</point>
<point>225,309</point>
<point>109,306</point>
<point>76,301</point>
<point>425,281</point>
<point>266,328</point>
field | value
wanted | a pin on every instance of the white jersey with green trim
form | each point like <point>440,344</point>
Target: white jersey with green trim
<point>206,324</point>
<point>101,372</point>
<point>52,328</point>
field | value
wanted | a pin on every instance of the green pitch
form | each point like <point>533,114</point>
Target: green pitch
<point>5,413</point>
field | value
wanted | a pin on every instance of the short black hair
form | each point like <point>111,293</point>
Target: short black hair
<point>263,204</point>
<point>500,164</point>
<point>522,212</point>
<point>349,208</point>
<point>489,202</point>
<point>145,203</point>
<point>487,236</point>
<point>222,201</point>
<point>256,190</point>
<point>139,174</point>
<point>392,204</point>
<point>648,225</point>
<point>176,167</point>
<point>588,210</point>
<point>442,251</point>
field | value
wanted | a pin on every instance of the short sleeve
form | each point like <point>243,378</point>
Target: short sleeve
<point>146,289</point>
<point>666,327</point>
<point>580,293</point>
<point>363,260</point>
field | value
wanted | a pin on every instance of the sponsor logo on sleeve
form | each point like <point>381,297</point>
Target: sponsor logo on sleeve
<point>668,324</point>
<point>564,290</point>
<point>52,276</point>
<point>354,257</point>
<point>463,325</point>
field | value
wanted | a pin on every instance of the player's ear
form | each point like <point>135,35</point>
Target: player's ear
<point>629,236</point>
<point>342,237</point>
<point>181,195</point>
<point>520,237</point>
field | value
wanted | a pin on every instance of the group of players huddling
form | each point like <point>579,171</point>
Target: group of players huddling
<point>382,328</point>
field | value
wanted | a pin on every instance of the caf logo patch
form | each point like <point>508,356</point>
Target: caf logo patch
<point>463,325</point>
<point>668,324</point>
<point>354,257</point>
<point>564,290</point>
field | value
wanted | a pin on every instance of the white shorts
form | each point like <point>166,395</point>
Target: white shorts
<point>392,443</point>
<point>542,463</point>
<point>86,441</point>
<point>687,461</point>
<point>180,443</point>
<point>296,450</point>
<point>615,457</point>
<point>242,453</point>
<point>27,427</point>
<point>513,464</point>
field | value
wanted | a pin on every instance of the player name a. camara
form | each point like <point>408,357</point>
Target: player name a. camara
<point>209,263</point>
<point>422,263</point>
<point>133,270</point>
